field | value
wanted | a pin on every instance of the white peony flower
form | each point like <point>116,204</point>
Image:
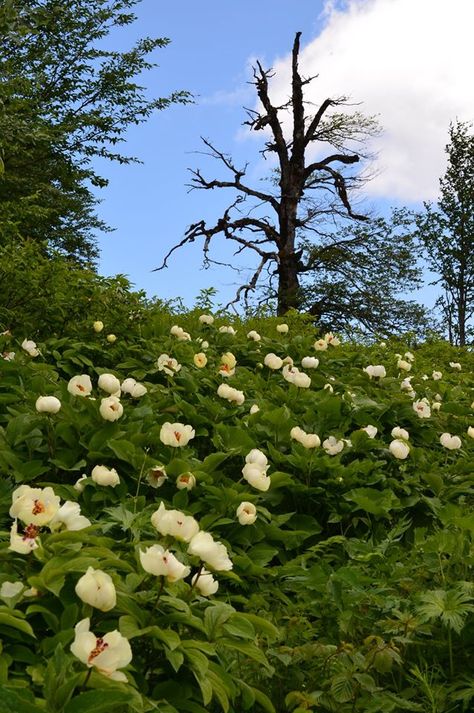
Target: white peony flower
<point>110,408</point>
<point>227,364</point>
<point>162,563</point>
<point>470,431</point>
<point>98,326</point>
<point>246,513</point>
<point>371,431</point>
<point>227,330</point>
<point>200,360</point>
<point>167,364</point>
<point>257,457</point>
<point>107,653</point>
<point>29,346</point>
<point>400,449</point>
<point>331,339</point>
<point>156,476</point>
<point>80,484</point>
<point>422,408</point>
<point>333,446</point>
<point>26,543</point>
<point>80,385</point>
<point>403,365</point>
<point>308,440</point>
<point>213,553</point>
<point>69,515</point>
<point>450,442</point>
<point>320,345</point>
<point>309,362</point>
<point>282,328</point>
<point>47,404</point>
<point>256,477</point>
<point>437,375</point>
<point>409,356</point>
<point>10,590</point>
<point>273,361</point>
<point>96,588</point>
<point>230,394</point>
<point>105,476</point>
<point>375,371</point>
<point>398,432</point>
<point>254,409</point>
<point>455,365</point>
<point>206,319</point>
<point>205,582</point>
<point>34,506</point>
<point>180,334</point>
<point>174,523</point>
<point>254,335</point>
<point>176,435</point>
<point>110,384</point>
<point>186,481</point>
<point>111,338</point>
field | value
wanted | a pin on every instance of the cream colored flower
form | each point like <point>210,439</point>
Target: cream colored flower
<point>403,365</point>
<point>422,408</point>
<point>256,477</point>
<point>105,476</point>
<point>213,553</point>
<point>110,384</point>
<point>205,582</point>
<point>470,431</point>
<point>308,440</point>
<point>180,334</point>
<point>273,361</point>
<point>69,515</point>
<point>162,563</point>
<point>29,346</point>
<point>225,329</point>
<point>375,371</point>
<point>174,523</point>
<point>176,435</point>
<point>110,408</point>
<point>437,375</point>
<point>398,432</point>
<point>331,339</point>
<point>227,364</point>
<point>26,543</point>
<point>98,326</point>
<point>230,394</point>
<point>206,319</point>
<point>254,335</point>
<point>111,338</point>
<point>107,653</point>
<point>309,362</point>
<point>156,476</point>
<point>34,506</point>
<point>47,404</point>
<point>254,409</point>
<point>246,513</point>
<point>167,364</point>
<point>320,345</point>
<point>371,431</point>
<point>80,484</point>
<point>185,481</point>
<point>96,588</point>
<point>200,360</point>
<point>455,365</point>
<point>450,442</point>
<point>80,385</point>
<point>400,449</point>
<point>282,328</point>
<point>333,446</point>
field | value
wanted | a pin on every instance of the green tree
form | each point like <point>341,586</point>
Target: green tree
<point>447,233</point>
<point>358,278</point>
<point>66,98</point>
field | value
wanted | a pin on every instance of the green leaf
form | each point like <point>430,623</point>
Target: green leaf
<point>99,701</point>
<point>17,700</point>
<point>16,623</point>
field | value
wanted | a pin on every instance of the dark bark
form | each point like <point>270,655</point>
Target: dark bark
<point>274,238</point>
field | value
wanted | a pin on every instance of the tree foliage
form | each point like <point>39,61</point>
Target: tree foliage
<point>447,232</point>
<point>66,98</point>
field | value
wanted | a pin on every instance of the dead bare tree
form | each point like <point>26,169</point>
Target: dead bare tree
<point>307,195</point>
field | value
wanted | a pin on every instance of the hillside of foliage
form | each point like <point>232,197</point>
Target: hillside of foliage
<point>205,515</point>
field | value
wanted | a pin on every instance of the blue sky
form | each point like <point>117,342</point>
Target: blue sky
<point>212,46</point>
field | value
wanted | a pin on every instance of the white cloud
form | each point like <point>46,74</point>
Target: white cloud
<point>408,61</point>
